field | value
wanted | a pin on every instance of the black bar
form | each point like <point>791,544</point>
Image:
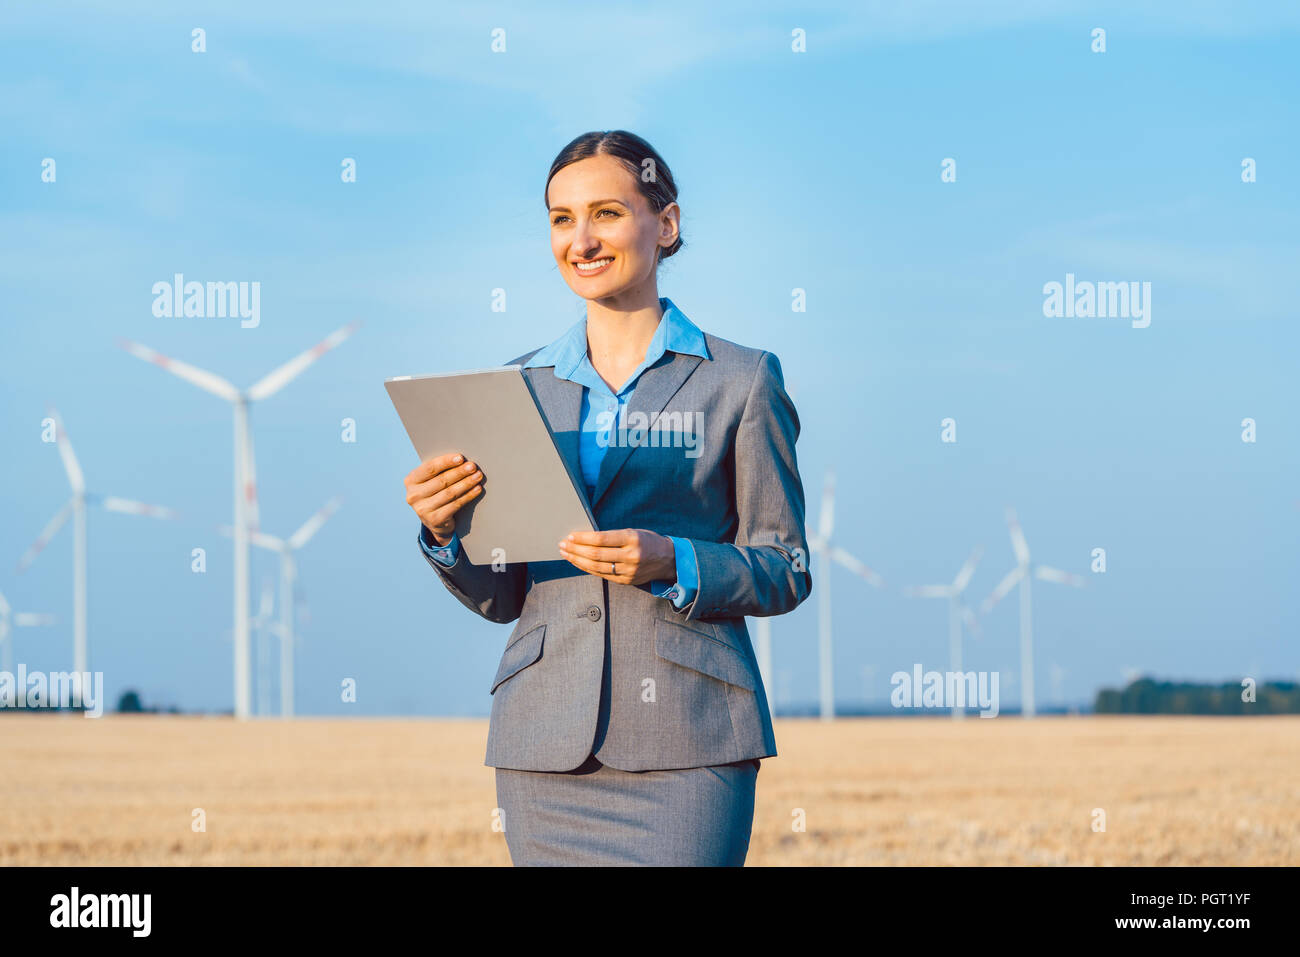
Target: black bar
<point>975,906</point>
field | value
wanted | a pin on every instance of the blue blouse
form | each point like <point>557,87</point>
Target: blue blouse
<point>602,409</point>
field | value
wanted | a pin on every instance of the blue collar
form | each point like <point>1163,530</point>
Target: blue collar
<point>675,333</point>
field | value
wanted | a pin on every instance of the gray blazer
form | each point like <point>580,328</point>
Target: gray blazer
<point>593,667</point>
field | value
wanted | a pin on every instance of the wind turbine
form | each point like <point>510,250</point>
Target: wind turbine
<point>76,508</point>
<point>245,470</point>
<point>1021,575</point>
<point>827,552</point>
<point>956,611</point>
<point>285,547</point>
<point>8,621</point>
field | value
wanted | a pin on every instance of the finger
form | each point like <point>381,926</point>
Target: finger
<point>610,539</point>
<point>437,516</point>
<point>599,569</point>
<point>454,493</point>
<point>449,475</point>
<point>440,498</point>
<point>432,466</point>
<point>595,553</point>
<point>444,480</point>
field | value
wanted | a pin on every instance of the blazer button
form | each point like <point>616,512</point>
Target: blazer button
<point>593,612</point>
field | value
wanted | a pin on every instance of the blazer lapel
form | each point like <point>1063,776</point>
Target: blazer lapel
<point>561,402</point>
<point>654,388</point>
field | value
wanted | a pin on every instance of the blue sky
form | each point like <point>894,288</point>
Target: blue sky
<point>818,171</point>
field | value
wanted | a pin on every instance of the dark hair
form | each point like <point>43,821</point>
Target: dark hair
<point>632,151</point>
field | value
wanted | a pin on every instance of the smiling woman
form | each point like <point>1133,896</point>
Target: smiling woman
<point>628,713</point>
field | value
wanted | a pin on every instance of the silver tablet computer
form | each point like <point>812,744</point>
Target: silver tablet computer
<point>530,499</point>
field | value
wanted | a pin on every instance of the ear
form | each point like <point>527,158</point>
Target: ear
<point>669,225</point>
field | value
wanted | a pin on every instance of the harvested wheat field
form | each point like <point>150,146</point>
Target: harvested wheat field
<point>123,790</point>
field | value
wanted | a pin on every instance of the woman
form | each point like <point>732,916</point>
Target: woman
<point>628,716</point>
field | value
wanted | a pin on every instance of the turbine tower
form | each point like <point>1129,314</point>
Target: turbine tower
<point>245,472</point>
<point>9,619</point>
<point>1021,575</point>
<point>956,611</point>
<point>285,547</point>
<point>76,508</point>
<point>828,552</point>
<point>260,625</point>
<point>763,651</point>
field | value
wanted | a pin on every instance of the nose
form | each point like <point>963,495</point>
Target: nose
<point>584,244</point>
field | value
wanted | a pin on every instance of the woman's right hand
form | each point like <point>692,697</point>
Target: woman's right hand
<point>440,487</point>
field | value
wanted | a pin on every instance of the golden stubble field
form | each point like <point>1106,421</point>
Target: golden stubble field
<point>122,790</point>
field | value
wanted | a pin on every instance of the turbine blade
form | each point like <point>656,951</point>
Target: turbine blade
<point>1017,537</point>
<point>48,533</point>
<point>826,518</point>
<point>269,542</point>
<point>963,577</point>
<point>855,566</point>
<point>260,539</point>
<point>1011,581</point>
<point>272,383</point>
<point>207,381</point>
<point>27,619</point>
<point>929,591</point>
<point>310,527</point>
<point>76,478</point>
<point>129,507</point>
<point>1049,574</point>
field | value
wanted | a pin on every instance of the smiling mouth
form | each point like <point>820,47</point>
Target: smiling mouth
<point>594,265</point>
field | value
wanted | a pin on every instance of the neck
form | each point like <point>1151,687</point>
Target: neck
<point>619,328</point>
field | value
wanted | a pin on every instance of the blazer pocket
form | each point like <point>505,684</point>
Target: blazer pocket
<point>701,652</point>
<point>519,654</point>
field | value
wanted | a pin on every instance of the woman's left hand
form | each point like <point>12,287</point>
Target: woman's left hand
<point>640,555</point>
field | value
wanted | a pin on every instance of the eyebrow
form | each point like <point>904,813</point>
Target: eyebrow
<point>592,205</point>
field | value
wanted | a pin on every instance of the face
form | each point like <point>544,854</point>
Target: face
<point>604,235</point>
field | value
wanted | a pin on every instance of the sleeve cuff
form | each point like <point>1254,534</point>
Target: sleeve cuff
<point>442,554</point>
<point>682,592</point>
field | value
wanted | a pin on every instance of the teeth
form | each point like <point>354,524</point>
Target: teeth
<point>588,267</point>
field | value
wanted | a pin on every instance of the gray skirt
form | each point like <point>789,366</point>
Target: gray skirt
<point>599,815</point>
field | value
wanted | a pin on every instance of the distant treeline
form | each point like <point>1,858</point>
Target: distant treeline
<point>130,703</point>
<point>1148,696</point>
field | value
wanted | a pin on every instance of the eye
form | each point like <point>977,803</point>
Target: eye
<point>556,220</point>
<point>613,212</point>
